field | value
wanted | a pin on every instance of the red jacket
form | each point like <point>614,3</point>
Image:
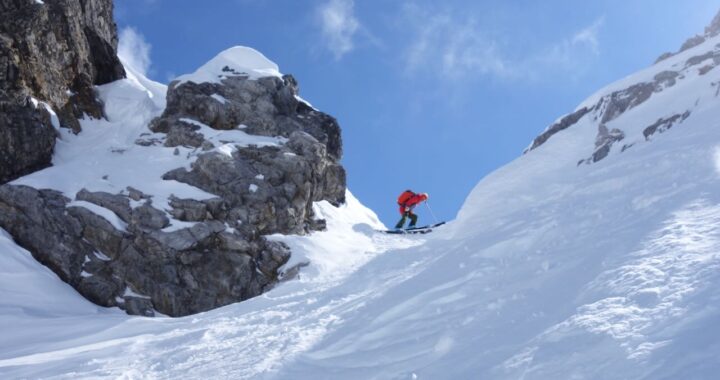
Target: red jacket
<point>409,201</point>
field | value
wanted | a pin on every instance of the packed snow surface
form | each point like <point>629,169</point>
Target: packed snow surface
<point>235,61</point>
<point>550,271</point>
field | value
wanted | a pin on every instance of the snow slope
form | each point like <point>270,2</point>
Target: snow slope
<point>551,270</point>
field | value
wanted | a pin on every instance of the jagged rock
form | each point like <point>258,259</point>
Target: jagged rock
<point>55,52</point>
<point>180,272</point>
<point>136,194</point>
<point>611,106</point>
<point>145,141</point>
<point>180,240</point>
<point>273,256</point>
<point>282,201</point>
<point>100,290</point>
<point>188,210</point>
<point>37,220</point>
<point>267,107</point>
<point>714,28</point>
<point>692,42</point>
<point>184,134</point>
<point>664,56</point>
<point>604,141</point>
<point>705,69</point>
<point>188,238</point>
<point>318,224</point>
<point>564,123</point>
<point>98,232</point>
<point>116,203</point>
<point>293,175</point>
<point>27,139</point>
<point>698,59</point>
<point>666,78</point>
<point>139,306</point>
<point>619,102</point>
<point>663,124</point>
<point>146,216</point>
<point>234,242</point>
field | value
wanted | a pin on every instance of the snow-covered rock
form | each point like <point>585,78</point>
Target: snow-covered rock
<point>259,129</point>
<point>664,82</point>
<point>238,61</point>
<point>178,209</point>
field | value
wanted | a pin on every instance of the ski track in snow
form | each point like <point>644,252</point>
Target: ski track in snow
<point>551,270</point>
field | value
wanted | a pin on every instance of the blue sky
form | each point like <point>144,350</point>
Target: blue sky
<point>430,95</point>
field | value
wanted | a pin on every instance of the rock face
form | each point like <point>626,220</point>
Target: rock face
<point>263,152</point>
<point>663,124</point>
<point>711,30</point>
<point>132,264</point>
<point>55,53</point>
<point>565,122</point>
<point>618,102</point>
<point>267,189</point>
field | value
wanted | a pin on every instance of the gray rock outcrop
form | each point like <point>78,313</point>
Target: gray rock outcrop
<point>266,189</point>
<point>604,141</point>
<point>135,265</point>
<point>663,124</point>
<point>54,52</point>
<point>564,123</point>
<point>262,151</point>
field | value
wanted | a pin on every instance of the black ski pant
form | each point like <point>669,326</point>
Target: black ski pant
<point>407,214</point>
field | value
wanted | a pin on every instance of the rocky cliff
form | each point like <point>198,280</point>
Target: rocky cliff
<point>165,206</point>
<point>268,189</point>
<point>51,55</point>
<point>697,57</point>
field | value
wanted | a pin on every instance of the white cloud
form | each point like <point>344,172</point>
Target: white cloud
<point>133,50</point>
<point>339,26</point>
<point>589,36</point>
<point>455,46</point>
<point>572,53</point>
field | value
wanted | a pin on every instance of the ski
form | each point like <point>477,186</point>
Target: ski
<point>414,230</point>
<point>425,227</point>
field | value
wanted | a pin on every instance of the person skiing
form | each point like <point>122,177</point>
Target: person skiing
<point>407,202</point>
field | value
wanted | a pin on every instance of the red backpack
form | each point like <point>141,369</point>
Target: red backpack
<point>404,197</point>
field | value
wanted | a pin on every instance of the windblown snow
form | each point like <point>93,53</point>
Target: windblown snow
<point>550,270</point>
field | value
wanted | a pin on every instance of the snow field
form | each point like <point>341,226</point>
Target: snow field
<point>551,270</point>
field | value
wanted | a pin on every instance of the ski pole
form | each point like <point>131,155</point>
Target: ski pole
<point>431,212</point>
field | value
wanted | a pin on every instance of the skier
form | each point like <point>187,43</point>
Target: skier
<point>407,202</point>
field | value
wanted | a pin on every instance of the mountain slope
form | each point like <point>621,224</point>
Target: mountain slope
<point>553,269</point>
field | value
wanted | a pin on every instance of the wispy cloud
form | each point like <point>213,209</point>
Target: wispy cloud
<point>134,50</point>
<point>589,36</point>
<point>455,46</point>
<point>339,26</point>
<point>452,46</point>
<point>571,54</point>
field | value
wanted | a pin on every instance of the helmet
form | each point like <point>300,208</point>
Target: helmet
<point>425,195</point>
